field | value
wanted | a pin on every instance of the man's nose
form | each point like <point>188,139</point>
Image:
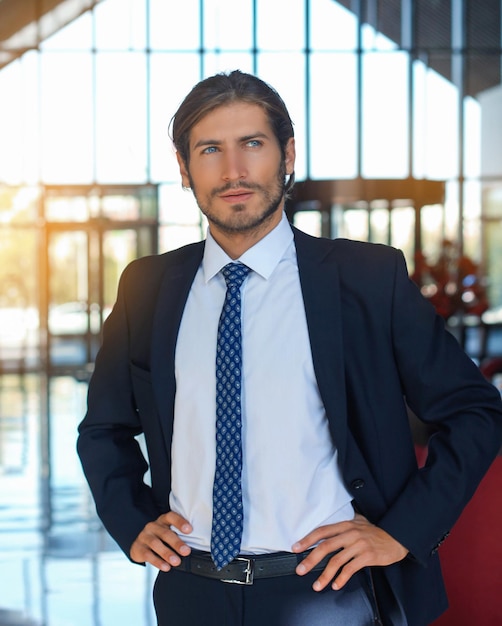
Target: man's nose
<point>234,167</point>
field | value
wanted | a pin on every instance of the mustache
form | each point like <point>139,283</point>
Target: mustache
<point>234,186</point>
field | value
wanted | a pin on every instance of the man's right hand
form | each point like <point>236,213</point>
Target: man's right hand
<point>159,545</point>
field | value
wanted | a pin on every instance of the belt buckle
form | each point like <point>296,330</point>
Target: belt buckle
<point>249,572</point>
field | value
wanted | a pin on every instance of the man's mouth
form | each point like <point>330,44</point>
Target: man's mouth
<point>236,195</point>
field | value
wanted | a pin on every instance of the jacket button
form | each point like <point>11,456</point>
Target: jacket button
<point>357,484</point>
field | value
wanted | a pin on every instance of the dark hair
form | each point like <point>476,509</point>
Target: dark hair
<point>222,89</point>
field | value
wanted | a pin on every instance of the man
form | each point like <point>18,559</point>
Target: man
<point>270,372</point>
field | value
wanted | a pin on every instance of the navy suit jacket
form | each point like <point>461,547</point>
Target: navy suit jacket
<point>377,346</point>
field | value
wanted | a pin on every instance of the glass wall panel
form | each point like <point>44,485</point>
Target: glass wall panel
<point>180,218</point>
<point>309,221</point>
<point>379,224</point>
<point>472,138</point>
<point>121,118</point>
<point>29,105</point>
<point>228,25</point>
<point>215,62</point>
<point>333,115</point>
<point>174,30</point>
<point>171,78</point>
<point>372,40</point>
<point>281,24</point>
<point>11,124</point>
<point>20,121</point>
<point>435,125</point>
<point>19,294</point>
<point>77,35</point>
<point>19,205</point>
<point>451,210</point>
<point>354,223</point>
<point>491,131</point>
<point>385,137</point>
<point>332,27</point>
<point>121,25</point>
<point>67,150</point>
<point>432,232</point>
<point>277,69</point>
<point>492,207</point>
<point>403,230</point>
<point>67,208</point>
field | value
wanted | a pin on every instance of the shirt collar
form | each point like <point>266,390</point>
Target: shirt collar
<point>262,258</point>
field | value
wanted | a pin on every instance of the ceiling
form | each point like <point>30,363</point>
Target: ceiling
<point>24,23</point>
<point>432,38</point>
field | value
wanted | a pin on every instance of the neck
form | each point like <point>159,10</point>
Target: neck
<point>235,244</point>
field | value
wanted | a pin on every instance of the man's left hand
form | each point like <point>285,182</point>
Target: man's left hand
<point>357,544</point>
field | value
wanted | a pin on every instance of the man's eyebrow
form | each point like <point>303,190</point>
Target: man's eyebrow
<point>258,135</point>
<point>217,142</point>
<point>207,142</point>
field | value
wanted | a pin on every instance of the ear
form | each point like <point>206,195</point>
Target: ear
<point>290,154</point>
<point>185,178</point>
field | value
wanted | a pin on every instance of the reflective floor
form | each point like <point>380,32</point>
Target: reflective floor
<point>57,565</point>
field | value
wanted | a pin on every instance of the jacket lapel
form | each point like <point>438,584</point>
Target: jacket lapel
<point>321,294</point>
<point>173,294</point>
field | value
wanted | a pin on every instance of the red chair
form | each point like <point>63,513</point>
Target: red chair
<point>471,558</point>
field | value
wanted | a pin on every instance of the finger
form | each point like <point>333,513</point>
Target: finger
<point>159,539</point>
<point>338,571</point>
<point>346,574</point>
<point>331,570</point>
<point>148,556</point>
<point>178,521</point>
<point>320,534</point>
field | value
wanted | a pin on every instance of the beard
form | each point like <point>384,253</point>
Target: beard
<point>241,220</point>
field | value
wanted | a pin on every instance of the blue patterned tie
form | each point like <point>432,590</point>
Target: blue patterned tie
<point>227,492</point>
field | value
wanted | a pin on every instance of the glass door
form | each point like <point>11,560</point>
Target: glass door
<point>83,264</point>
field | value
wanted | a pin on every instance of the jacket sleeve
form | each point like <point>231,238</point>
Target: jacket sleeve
<point>109,451</point>
<point>444,388</point>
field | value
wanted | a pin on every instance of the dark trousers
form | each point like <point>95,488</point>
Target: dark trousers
<point>184,599</point>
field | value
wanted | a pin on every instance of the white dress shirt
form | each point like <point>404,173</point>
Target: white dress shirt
<point>291,482</point>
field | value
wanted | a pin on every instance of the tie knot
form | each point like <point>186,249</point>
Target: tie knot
<point>234,274</point>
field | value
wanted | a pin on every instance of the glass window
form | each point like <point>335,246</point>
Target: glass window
<point>215,62</point>
<point>281,24</point>
<point>354,223</point>
<point>171,78</point>
<point>11,124</point>
<point>18,204</point>
<point>332,27</point>
<point>309,221</point>
<point>379,223</point>
<point>333,115</point>
<point>177,206</point>
<point>67,150</point>
<point>76,35</point>
<point>385,137</point>
<point>472,137</point>
<point>277,69</point>
<point>174,29</point>
<point>121,117</point>
<point>403,230</point>
<point>435,128</point>
<point>491,131</point>
<point>431,220</point>
<point>228,25</point>
<point>120,25</point>
<point>180,218</point>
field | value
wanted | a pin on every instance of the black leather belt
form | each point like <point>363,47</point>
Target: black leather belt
<point>244,569</point>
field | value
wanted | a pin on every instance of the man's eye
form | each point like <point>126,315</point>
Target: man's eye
<point>209,150</point>
<point>254,143</point>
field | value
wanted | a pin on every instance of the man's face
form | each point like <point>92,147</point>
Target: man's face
<point>235,169</point>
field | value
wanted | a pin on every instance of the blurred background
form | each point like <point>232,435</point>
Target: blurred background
<point>397,106</point>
